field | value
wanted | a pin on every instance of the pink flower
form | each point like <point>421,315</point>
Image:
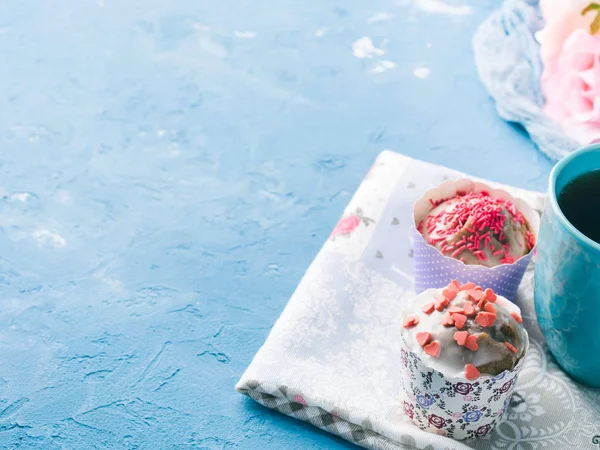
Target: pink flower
<point>346,225</point>
<point>300,399</point>
<point>441,432</point>
<point>456,415</point>
<point>561,18</point>
<point>571,85</point>
<point>467,398</point>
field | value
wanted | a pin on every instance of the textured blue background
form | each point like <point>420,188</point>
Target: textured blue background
<point>168,171</point>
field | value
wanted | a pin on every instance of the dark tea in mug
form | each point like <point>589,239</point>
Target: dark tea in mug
<point>580,203</point>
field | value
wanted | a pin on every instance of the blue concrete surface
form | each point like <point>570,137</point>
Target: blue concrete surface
<point>168,171</point>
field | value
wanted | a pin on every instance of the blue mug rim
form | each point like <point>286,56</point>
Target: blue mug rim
<point>556,170</point>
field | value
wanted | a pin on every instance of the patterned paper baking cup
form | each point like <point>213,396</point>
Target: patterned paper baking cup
<point>434,270</point>
<point>454,407</point>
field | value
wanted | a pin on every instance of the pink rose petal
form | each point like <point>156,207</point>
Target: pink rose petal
<point>571,86</point>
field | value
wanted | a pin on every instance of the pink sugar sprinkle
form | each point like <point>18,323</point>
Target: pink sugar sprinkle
<point>499,252</point>
<point>480,255</point>
<point>458,251</point>
<point>530,238</point>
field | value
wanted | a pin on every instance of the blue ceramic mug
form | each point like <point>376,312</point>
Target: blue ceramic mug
<point>567,278</point>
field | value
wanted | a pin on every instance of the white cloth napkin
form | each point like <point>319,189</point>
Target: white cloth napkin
<point>332,358</point>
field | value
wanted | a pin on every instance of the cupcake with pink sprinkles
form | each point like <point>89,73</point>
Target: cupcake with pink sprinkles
<point>466,230</point>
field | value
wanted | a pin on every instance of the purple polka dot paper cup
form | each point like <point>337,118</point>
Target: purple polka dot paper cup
<point>453,406</point>
<point>434,270</point>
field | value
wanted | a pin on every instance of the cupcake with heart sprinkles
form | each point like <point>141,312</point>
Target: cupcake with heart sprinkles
<point>462,348</point>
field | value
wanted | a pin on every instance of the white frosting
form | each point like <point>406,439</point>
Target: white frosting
<point>453,358</point>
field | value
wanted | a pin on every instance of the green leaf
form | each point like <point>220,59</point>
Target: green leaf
<point>595,26</point>
<point>590,7</point>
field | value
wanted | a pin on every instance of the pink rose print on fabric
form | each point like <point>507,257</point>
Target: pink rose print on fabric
<point>506,386</point>
<point>409,410</point>
<point>483,430</point>
<point>571,86</point>
<point>462,388</point>
<point>404,357</point>
<point>348,224</point>
<point>300,399</point>
<point>436,421</point>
